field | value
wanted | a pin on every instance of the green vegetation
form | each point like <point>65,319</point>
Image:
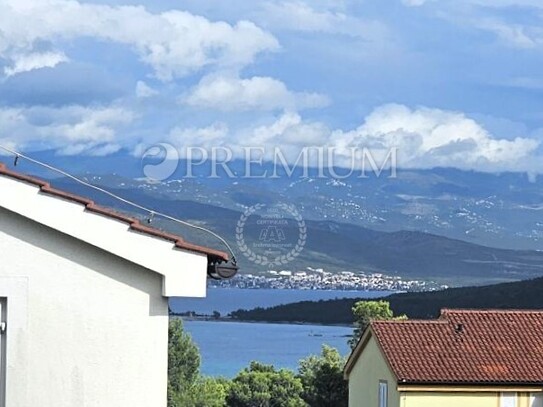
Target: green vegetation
<point>425,305</point>
<point>186,387</point>
<point>318,383</point>
<point>183,362</point>
<point>366,311</point>
<point>322,379</point>
<point>311,312</point>
<point>206,392</point>
<point>263,386</point>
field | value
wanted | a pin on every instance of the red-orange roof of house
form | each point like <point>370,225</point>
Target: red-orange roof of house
<point>133,223</point>
<point>464,347</point>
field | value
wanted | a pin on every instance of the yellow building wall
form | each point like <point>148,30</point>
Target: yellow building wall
<point>450,400</point>
<point>458,399</point>
<point>364,378</point>
<point>371,368</point>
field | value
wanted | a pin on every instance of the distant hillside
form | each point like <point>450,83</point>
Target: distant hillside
<point>425,305</point>
<point>498,210</point>
<point>337,246</point>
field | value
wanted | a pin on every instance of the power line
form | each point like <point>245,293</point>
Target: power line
<point>151,212</point>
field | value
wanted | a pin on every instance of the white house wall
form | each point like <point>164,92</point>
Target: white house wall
<point>85,328</point>
<point>185,273</point>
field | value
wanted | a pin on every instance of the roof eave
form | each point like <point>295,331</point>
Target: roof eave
<point>467,384</point>
<point>134,223</point>
<point>184,267</point>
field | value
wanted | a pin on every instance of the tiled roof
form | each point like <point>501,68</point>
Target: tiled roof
<point>133,223</point>
<point>492,347</point>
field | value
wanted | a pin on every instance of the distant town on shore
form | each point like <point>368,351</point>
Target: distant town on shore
<point>319,279</point>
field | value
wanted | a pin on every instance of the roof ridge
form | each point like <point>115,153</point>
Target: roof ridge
<point>489,311</point>
<point>48,189</point>
<point>134,223</point>
<point>4,170</point>
<point>409,321</point>
<point>138,226</point>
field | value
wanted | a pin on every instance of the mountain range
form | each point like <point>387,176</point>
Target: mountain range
<point>450,226</point>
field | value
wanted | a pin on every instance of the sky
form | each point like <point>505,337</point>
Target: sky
<point>449,83</point>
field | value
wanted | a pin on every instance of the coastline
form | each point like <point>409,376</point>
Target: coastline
<point>210,318</point>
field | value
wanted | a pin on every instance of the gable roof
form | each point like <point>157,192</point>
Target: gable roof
<point>463,347</point>
<point>133,223</point>
<point>184,266</point>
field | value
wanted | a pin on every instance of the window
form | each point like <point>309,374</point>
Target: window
<point>508,400</point>
<point>383,394</point>
<point>536,400</point>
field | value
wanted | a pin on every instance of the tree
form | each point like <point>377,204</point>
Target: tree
<point>262,386</point>
<point>186,387</point>
<point>183,361</point>
<point>183,357</point>
<point>205,392</point>
<point>366,311</point>
<point>322,379</point>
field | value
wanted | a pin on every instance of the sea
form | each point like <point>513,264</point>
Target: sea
<point>228,347</point>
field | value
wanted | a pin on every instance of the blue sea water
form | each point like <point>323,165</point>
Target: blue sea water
<point>228,347</point>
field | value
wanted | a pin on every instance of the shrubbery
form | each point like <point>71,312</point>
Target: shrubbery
<point>318,383</point>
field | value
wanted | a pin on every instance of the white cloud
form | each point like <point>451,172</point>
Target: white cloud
<point>173,43</point>
<point>301,16</point>
<point>506,3</point>
<point>256,93</point>
<point>290,129</point>
<point>288,132</point>
<point>144,91</point>
<point>492,16</point>
<point>422,137</point>
<point>516,35</point>
<point>414,3</point>
<point>427,138</point>
<point>71,130</point>
<point>81,124</point>
<point>486,3</point>
<point>32,61</point>
<point>90,149</point>
<point>214,135</point>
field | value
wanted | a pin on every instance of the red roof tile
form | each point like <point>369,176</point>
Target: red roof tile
<point>133,223</point>
<point>465,347</point>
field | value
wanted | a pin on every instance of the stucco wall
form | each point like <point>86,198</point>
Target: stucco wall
<point>450,400</point>
<point>364,379</point>
<point>85,328</point>
<point>456,399</point>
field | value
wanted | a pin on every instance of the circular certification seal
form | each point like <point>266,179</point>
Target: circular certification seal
<point>271,235</point>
